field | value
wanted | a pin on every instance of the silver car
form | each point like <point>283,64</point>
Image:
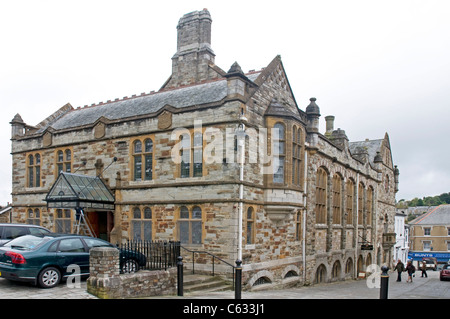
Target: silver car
<point>11,231</point>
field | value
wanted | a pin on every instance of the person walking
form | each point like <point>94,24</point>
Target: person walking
<point>424,269</point>
<point>400,267</point>
<point>411,270</point>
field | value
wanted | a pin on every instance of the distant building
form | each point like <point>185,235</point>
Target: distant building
<point>401,237</point>
<point>316,207</point>
<point>430,235</point>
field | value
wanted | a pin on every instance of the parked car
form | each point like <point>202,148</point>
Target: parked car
<point>11,231</point>
<point>445,272</point>
<point>44,259</point>
<point>431,262</point>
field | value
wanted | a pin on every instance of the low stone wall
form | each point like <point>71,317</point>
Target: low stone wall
<point>106,282</point>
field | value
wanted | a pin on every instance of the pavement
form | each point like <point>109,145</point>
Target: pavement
<point>420,288</point>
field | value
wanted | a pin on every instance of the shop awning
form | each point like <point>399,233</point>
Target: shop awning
<point>71,191</point>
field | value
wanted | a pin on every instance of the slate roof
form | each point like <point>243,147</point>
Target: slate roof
<point>371,147</point>
<point>438,216</point>
<point>195,95</point>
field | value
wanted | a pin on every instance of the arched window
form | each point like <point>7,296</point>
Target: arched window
<point>142,224</point>
<point>369,206</point>
<point>296,156</point>
<point>321,196</point>
<point>190,226</point>
<point>350,189</point>
<point>64,161</point>
<point>34,170</point>
<point>279,152</point>
<point>337,199</point>
<point>360,204</point>
<point>143,160</point>
<point>34,216</point>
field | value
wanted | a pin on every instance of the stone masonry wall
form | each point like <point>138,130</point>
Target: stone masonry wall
<point>106,282</point>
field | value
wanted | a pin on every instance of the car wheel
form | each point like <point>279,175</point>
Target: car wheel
<point>129,266</point>
<point>49,277</point>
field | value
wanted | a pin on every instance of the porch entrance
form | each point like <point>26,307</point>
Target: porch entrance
<point>101,223</point>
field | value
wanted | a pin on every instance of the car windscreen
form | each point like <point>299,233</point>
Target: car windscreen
<point>27,242</point>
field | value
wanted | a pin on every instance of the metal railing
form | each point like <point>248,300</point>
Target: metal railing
<point>153,255</point>
<point>214,258</point>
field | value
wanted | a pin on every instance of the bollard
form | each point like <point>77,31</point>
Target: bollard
<point>180,276</point>
<point>384,283</point>
<point>238,279</point>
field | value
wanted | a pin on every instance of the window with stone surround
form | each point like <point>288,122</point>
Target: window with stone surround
<point>34,170</point>
<point>191,155</point>
<point>321,196</point>
<point>190,225</point>
<point>298,225</point>
<point>141,224</point>
<point>250,219</point>
<point>279,152</point>
<point>350,190</point>
<point>369,206</point>
<point>63,221</point>
<point>143,159</point>
<point>360,203</point>
<point>34,216</point>
<point>337,199</point>
<point>296,156</point>
<point>63,161</point>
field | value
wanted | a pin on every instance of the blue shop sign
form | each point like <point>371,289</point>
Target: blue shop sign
<point>421,254</point>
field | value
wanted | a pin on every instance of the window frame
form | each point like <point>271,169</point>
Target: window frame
<point>142,221</point>
<point>191,221</point>
<point>33,178</point>
<point>63,160</point>
<point>144,157</point>
<point>321,196</point>
<point>279,152</point>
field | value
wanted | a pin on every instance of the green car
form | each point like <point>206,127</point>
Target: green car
<point>45,260</point>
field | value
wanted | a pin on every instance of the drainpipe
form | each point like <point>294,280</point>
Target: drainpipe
<point>356,226</point>
<point>305,177</point>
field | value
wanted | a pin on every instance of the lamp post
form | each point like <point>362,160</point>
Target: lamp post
<point>240,134</point>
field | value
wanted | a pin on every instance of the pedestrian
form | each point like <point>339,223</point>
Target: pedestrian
<point>424,269</point>
<point>411,270</point>
<point>400,267</point>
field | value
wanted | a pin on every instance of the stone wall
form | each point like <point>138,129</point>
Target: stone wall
<point>106,282</point>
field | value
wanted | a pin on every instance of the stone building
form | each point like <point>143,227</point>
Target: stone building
<point>316,207</point>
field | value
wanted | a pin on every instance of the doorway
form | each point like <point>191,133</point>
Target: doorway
<point>101,223</point>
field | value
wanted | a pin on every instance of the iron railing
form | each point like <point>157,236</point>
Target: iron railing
<point>214,258</point>
<point>151,255</point>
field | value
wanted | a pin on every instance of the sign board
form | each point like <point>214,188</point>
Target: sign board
<point>366,247</point>
<point>418,255</point>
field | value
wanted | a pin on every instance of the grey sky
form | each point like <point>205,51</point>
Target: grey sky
<point>377,66</point>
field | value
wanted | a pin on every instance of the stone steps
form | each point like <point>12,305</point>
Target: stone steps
<point>194,283</point>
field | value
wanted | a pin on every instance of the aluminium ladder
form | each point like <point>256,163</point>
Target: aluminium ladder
<point>82,226</point>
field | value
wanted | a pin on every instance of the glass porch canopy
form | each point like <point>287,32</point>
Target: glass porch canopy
<point>71,191</point>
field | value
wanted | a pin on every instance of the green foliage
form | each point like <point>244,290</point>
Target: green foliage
<point>444,198</point>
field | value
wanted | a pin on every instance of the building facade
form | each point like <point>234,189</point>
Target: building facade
<point>315,206</point>
<point>430,235</point>
<point>401,247</point>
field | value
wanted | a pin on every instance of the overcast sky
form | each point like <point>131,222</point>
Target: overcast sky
<point>377,66</point>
